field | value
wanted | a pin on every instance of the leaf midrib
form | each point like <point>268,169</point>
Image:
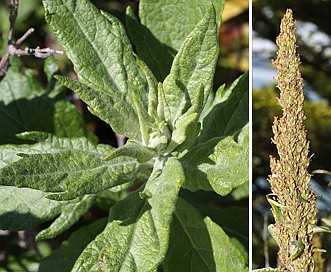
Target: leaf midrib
<point>97,53</point>
<point>186,231</point>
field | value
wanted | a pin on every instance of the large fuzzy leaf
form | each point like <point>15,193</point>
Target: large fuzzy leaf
<point>63,258</point>
<point>220,164</point>
<point>162,17</point>
<point>136,237</point>
<point>23,208</point>
<point>109,108</point>
<point>68,169</point>
<point>102,57</point>
<point>227,256</point>
<point>198,244</point>
<point>228,112</point>
<point>154,44</point>
<point>192,67</point>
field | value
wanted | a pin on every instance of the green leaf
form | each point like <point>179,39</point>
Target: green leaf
<point>153,52</point>
<point>22,208</point>
<point>136,237</point>
<point>68,122</point>
<point>228,112</point>
<point>227,218</point>
<point>163,29</point>
<point>227,256</point>
<point>220,164</point>
<point>26,106</point>
<point>63,258</point>
<point>241,191</point>
<point>102,57</point>
<point>189,245</point>
<point>171,22</point>
<point>192,67</point>
<point>70,214</point>
<point>133,149</point>
<point>113,110</point>
<point>198,244</point>
<point>187,127</point>
<point>51,69</point>
<point>68,167</point>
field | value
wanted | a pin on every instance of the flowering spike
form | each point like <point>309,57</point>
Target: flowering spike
<point>289,178</point>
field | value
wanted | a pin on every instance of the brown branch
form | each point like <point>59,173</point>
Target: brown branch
<point>37,52</point>
<point>4,63</point>
<point>12,48</point>
<point>12,19</point>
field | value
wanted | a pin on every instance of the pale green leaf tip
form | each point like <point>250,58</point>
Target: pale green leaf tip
<point>145,194</point>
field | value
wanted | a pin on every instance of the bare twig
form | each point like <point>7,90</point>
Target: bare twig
<point>12,19</point>
<point>26,34</point>
<point>12,48</point>
<point>37,52</point>
<point>4,63</point>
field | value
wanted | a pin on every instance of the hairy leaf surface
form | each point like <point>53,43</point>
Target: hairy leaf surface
<point>23,208</point>
<point>192,67</point>
<point>102,56</point>
<point>227,256</point>
<point>68,168</point>
<point>25,106</point>
<point>63,258</point>
<point>228,112</point>
<point>199,244</point>
<point>160,17</point>
<point>220,164</point>
<point>136,237</point>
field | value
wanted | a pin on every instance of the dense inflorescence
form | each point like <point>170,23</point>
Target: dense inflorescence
<point>293,203</point>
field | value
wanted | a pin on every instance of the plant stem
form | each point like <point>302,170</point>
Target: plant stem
<point>294,206</point>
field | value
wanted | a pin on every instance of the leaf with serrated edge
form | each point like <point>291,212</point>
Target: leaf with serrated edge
<point>68,169</point>
<point>228,112</point>
<point>34,208</point>
<point>107,107</point>
<point>220,164</point>
<point>70,214</point>
<point>101,53</point>
<point>31,208</point>
<point>192,67</point>
<point>136,237</point>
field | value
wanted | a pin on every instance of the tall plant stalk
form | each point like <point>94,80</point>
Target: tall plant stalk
<point>293,203</point>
